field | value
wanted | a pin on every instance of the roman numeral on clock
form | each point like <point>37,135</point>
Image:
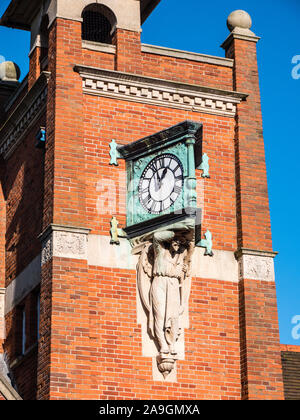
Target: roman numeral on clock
<point>177,189</point>
<point>161,183</point>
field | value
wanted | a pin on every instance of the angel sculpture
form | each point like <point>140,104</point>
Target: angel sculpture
<point>163,271</point>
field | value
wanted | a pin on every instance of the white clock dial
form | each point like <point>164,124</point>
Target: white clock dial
<point>161,183</point>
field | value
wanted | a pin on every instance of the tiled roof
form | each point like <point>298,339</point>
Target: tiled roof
<point>290,356</point>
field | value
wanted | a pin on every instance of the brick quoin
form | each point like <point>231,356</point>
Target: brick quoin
<point>90,341</point>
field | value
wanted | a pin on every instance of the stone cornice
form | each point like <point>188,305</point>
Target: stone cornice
<point>246,251</point>
<point>98,46</point>
<point>24,116</point>
<point>160,92</point>
<point>186,55</point>
<point>242,36</point>
<point>62,228</point>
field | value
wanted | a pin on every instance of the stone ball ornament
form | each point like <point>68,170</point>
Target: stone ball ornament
<point>239,19</point>
<point>9,71</point>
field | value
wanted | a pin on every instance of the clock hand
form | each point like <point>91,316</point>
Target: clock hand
<point>157,182</point>
<point>164,174</point>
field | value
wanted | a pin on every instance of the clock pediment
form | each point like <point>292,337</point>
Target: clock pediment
<point>162,140</point>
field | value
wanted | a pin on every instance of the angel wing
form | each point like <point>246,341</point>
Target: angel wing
<point>144,274</point>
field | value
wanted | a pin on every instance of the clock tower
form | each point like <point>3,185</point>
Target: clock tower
<point>136,257</point>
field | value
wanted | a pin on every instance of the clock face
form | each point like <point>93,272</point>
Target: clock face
<point>161,183</point>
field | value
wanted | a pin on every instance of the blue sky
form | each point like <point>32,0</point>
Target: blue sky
<point>200,26</point>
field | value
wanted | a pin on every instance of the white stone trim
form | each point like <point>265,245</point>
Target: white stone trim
<point>64,242</point>
<point>257,267</point>
<point>187,55</point>
<point>23,284</point>
<point>98,46</point>
<point>127,12</point>
<point>222,266</point>
<point>129,87</point>
<point>238,33</point>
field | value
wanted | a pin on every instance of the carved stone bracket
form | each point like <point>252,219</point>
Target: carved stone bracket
<point>163,281</point>
<point>64,242</point>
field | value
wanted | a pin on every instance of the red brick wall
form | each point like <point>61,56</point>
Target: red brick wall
<point>98,59</point>
<point>289,347</point>
<point>96,342</point>
<point>185,71</point>
<point>2,230</point>
<point>23,366</point>
<point>260,345</point>
<point>107,119</point>
<point>252,189</point>
<point>90,343</point>
<point>23,188</point>
<point>21,213</point>
<point>34,66</point>
<point>64,194</point>
<point>128,44</point>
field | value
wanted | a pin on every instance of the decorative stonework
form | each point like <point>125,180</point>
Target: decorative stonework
<point>159,92</point>
<point>163,282</point>
<point>258,268</point>
<point>24,116</point>
<point>64,242</point>
<point>256,265</point>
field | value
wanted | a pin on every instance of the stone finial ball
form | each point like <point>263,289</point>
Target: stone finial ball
<point>9,71</point>
<point>239,19</point>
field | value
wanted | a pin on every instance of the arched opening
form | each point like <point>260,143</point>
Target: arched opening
<point>98,24</point>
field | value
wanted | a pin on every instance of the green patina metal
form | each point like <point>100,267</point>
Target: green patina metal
<point>207,244</point>
<point>179,141</point>
<point>204,166</point>
<point>114,154</point>
<point>116,232</point>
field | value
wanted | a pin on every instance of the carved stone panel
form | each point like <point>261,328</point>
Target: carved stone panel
<point>65,242</point>
<point>257,267</point>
